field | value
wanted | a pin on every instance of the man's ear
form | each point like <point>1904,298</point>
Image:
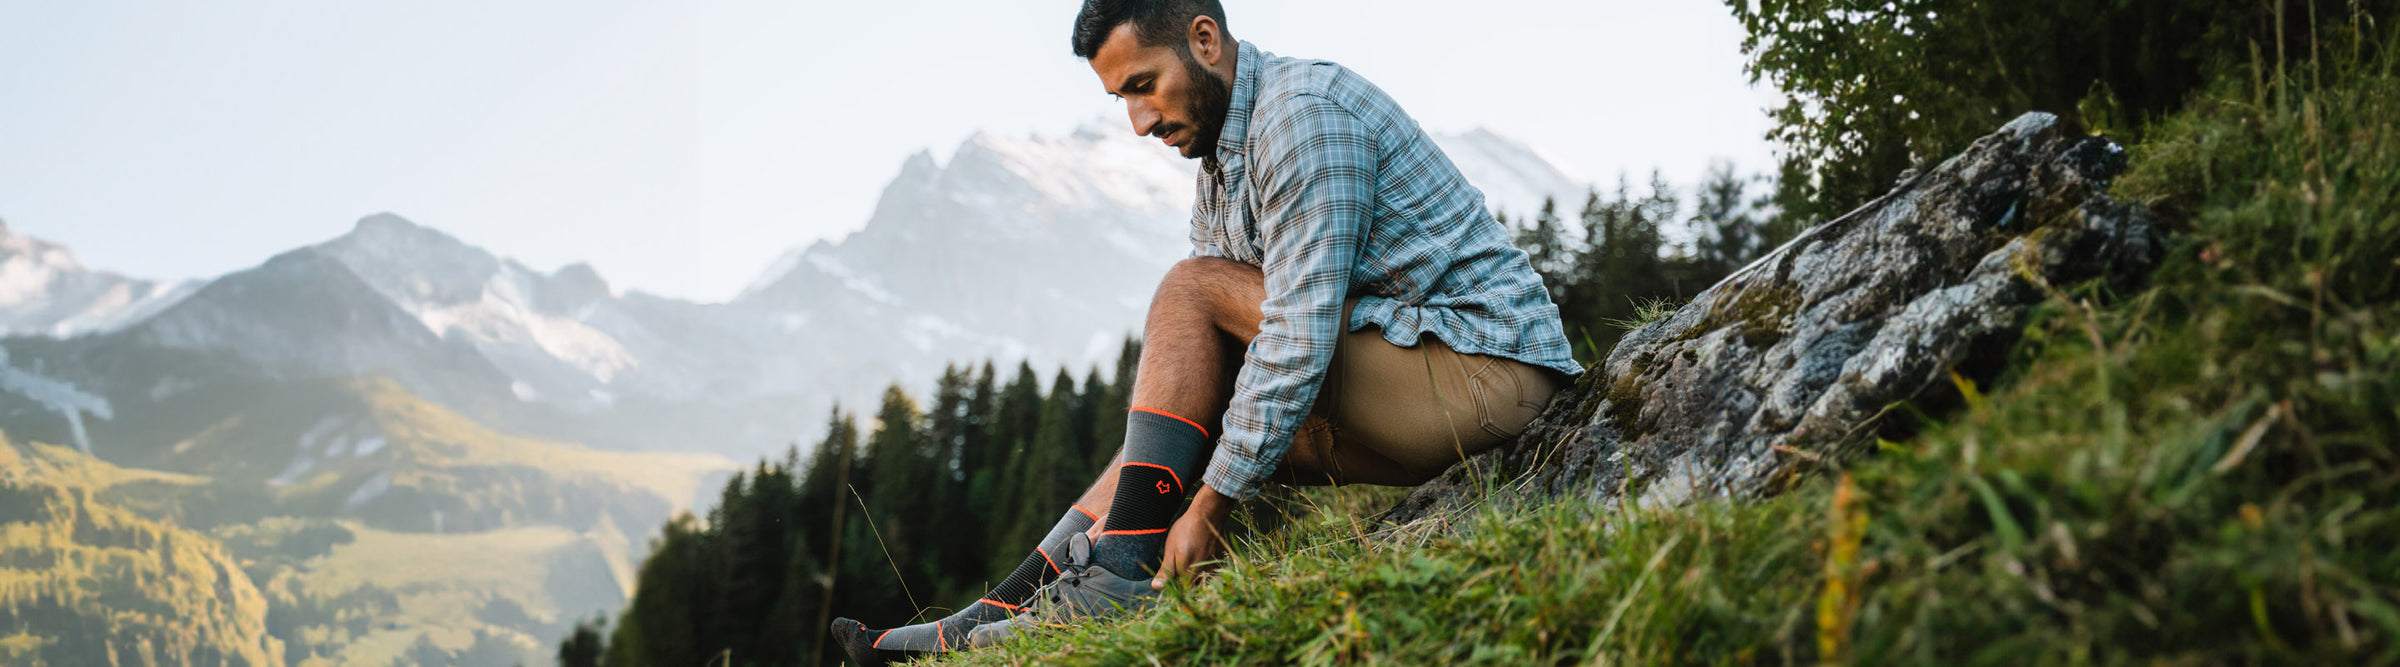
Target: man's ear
<point>1208,40</point>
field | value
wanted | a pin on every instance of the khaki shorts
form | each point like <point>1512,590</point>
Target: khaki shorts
<point>1401,415</point>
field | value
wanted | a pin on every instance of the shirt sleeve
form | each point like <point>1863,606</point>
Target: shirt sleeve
<point>1204,243</point>
<point>1313,172</point>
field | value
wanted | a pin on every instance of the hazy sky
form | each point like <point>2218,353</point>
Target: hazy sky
<point>679,147</point>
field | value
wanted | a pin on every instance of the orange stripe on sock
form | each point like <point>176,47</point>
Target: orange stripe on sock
<point>1002,605</point>
<point>1170,472</point>
<point>1176,417</point>
<point>1154,531</point>
<point>1046,559</point>
<point>941,637</point>
<point>1079,508</point>
<point>878,643</point>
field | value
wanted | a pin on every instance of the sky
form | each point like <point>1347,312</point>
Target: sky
<point>680,147</point>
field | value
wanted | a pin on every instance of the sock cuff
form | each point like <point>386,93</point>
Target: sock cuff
<point>1155,411</point>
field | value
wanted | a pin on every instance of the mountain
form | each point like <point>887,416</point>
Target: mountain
<point>1044,248</point>
<point>419,451</point>
<point>1514,177</point>
<point>1040,248</point>
<point>44,291</point>
<point>1013,247</point>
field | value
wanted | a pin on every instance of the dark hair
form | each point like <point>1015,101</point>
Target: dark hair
<point>1155,22</point>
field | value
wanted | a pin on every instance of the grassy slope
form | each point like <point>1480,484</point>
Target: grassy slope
<point>460,591</point>
<point>160,592</point>
<point>2202,472</point>
<point>497,597</point>
<point>452,441</point>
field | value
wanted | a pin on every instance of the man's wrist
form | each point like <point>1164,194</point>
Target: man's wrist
<point>1211,505</point>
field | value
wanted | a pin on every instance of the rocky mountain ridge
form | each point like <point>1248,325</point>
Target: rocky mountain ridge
<point>44,291</point>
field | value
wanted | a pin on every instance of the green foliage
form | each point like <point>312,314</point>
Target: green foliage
<point>1623,273</point>
<point>915,515</point>
<point>1872,87</point>
<point>583,647</point>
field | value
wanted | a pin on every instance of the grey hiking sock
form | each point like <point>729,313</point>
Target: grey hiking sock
<point>1162,454</point>
<point>1037,569</point>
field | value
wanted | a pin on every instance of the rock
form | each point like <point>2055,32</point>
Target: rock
<point>1789,363</point>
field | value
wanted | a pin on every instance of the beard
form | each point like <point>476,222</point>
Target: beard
<point>1212,97</point>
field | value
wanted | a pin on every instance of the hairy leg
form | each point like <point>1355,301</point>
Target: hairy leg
<point>1204,315</point>
<point>1201,322</point>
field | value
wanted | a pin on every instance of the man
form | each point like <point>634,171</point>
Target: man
<point>1351,313</point>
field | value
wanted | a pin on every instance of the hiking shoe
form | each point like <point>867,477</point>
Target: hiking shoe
<point>991,634</point>
<point>1086,590</point>
<point>858,643</point>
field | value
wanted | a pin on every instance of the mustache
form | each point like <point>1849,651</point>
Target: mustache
<point>1162,130</point>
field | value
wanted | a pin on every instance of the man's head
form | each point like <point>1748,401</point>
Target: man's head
<point>1170,60</point>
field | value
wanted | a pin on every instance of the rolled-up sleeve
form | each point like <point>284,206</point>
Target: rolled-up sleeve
<point>1313,171</point>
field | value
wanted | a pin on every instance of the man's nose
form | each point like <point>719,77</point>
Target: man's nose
<point>1143,116</point>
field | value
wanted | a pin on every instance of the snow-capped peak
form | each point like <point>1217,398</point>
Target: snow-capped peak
<point>528,323</point>
<point>45,291</point>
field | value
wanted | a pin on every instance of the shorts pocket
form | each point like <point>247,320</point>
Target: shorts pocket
<point>1500,402</point>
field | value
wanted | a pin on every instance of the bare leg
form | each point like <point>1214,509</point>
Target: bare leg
<point>1204,314</point>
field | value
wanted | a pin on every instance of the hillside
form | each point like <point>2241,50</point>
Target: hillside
<point>364,525</point>
<point>2190,468</point>
<point>87,582</point>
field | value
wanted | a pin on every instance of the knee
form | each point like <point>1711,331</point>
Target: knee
<point>1209,271</point>
<point>1208,279</point>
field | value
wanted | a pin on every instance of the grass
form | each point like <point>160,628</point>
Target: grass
<point>446,588</point>
<point>2203,470</point>
<point>1645,311</point>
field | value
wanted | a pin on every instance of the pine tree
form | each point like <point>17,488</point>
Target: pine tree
<point>947,426</point>
<point>1048,467</point>
<point>1085,424</point>
<point>584,646</point>
<point>1015,419</point>
<point>1108,425</point>
<point>900,504</point>
<point>1545,245</point>
<point>1728,228</point>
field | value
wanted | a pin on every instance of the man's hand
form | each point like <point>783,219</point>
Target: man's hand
<point>1196,537</point>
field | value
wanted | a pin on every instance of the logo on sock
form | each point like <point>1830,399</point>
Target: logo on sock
<point>1163,488</point>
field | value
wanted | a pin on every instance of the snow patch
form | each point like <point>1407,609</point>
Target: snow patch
<point>369,491</point>
<point>317,432</point>
<point>502,317</point>
<point>169,386</point>
<point>292,472</point>
<point>58,396</point>
<point>793,322</point>
<point>851,279</point>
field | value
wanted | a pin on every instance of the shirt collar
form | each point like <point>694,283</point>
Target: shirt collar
<point>1234,137</point>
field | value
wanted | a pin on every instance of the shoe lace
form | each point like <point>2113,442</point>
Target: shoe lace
<point>1073,575</point>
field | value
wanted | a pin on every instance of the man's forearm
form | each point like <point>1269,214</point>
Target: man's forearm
<point>1210,505</point>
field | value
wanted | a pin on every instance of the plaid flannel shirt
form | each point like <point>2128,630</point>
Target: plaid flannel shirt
<point>1323,182</point>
